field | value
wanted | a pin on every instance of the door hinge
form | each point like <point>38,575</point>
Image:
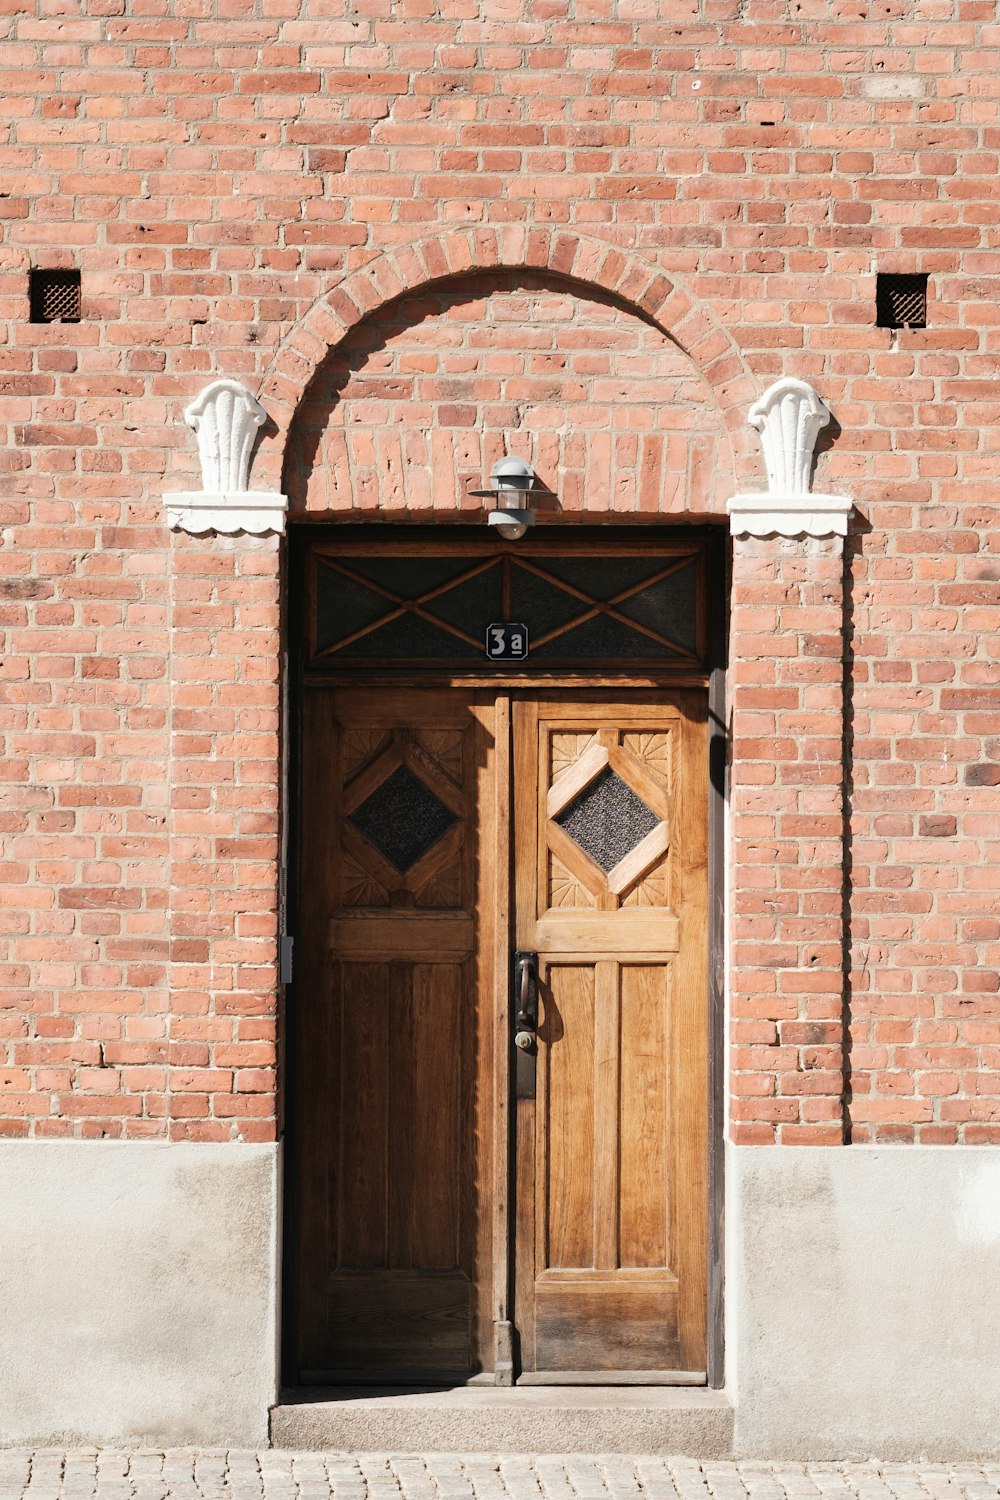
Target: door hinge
<point>286,948</point>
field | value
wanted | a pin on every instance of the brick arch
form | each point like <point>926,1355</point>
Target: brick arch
<point>588,263</point>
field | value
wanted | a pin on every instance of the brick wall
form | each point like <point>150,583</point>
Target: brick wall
<point>238,192</point>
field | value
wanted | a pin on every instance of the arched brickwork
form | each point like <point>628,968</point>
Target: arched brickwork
<point>576,259</point>
<point>409,412</point>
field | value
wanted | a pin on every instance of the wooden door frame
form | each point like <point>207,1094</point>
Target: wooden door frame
<point>294,553</point>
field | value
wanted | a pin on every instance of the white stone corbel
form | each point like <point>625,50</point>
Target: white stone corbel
<point>225,419</point>
<point>789,417</point>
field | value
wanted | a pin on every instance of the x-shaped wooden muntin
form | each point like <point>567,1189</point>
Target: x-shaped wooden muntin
<point>595,606</point>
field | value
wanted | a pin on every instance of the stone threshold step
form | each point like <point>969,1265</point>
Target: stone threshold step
<point>486,1419</point>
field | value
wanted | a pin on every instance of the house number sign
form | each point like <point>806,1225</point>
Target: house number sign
<point>507,641</point>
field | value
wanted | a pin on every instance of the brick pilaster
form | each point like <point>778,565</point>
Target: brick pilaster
<point>223,809</point>
<point>786,976</point>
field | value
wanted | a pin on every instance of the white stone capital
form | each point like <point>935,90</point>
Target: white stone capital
<point>225,418</point>
<point>226,511</point>
<point>789,417</point>
<point>789,515</point>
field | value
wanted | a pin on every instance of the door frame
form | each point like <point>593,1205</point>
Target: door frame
<point>295,551</point>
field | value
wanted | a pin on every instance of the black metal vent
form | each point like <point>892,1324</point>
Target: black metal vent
<point>55,296</point>
<point>900,301</point>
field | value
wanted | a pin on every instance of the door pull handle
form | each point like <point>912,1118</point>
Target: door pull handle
<point>525,998</point>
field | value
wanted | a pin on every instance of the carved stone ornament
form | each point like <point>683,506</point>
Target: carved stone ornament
<point>789,417</point>
<point>225,418</point>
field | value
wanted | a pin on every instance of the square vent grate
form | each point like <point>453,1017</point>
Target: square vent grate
<point>900,301</point>
<point>55,296</point>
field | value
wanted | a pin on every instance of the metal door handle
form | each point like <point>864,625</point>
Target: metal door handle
<point>525,1008</point>
<point>526,999</point>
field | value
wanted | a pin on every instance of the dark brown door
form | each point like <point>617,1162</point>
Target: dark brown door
<point>611,892</point>
<point>395,1042</point>
<point>423,809</point>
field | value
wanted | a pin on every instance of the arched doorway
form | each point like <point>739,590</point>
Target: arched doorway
<point>451,1216</point>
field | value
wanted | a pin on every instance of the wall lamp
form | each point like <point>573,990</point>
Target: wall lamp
<point>511,480</point>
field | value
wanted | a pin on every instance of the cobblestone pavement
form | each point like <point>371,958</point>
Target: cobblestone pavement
<point>189,1474</point>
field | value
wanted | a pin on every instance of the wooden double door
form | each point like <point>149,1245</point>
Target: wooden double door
<point>471,1201</point>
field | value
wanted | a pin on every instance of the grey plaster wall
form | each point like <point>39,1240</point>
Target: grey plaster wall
<point>137,1292</point>
<point>864,1301</point>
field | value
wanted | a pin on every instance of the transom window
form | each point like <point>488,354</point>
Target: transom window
<point>396,603</point>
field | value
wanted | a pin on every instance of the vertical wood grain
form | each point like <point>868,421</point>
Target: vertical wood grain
<point>496,947</point>
<point>607,1142</point>
<point>567,1034</point>
<point>434,1189</point>
<point>644,1115</point>
<point>363,1208</point>
<point>689,1034</point>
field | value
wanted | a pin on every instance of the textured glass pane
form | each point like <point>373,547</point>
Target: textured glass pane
<point>603,637</point>
<point>402,818</point>
<point>667,606</point>
<point>343,606</point>
<point>471,605</point>
<point>607,819</point>
<point>409,577</point>
<point>603,578</point>
<point>543,606</point>
<point>409,638</point>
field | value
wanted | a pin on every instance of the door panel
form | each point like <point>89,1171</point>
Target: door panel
<point>396,1001</point>
<point>611,814</point>
<point>421,808</point>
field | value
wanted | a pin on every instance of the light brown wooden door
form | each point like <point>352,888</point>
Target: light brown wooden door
<point>611,892</point>
<point>394,1026</point>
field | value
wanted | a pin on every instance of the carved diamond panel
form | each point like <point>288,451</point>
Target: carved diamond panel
<point>446,747</point>
<point>360,888</point>
<point>567,749</point>
<point>651,890</point>
<point>402,818</point>
<point>607,819</point>
<point>652,749</point>
<point>443,890</point>
<point>565,888</point>
<point>358,747</point>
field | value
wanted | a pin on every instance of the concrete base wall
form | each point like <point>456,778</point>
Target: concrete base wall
<point>137,1292</point>
<point>863,1304</point>
<point>138,1298</point>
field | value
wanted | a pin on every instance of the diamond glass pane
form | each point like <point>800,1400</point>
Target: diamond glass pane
<point>471,605</point>
<point>344,606</point>
<point>409,577</point>
<point>602,577</point>
<point>668,607</point>
<point>604,637</point>
<point>607,819</point>
<point>408,638</point>
<point>402,818</point>
<point>541,603</point>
